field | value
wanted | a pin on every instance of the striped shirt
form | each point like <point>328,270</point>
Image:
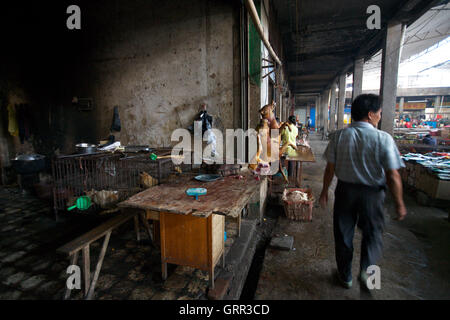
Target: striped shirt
<point>362,154</point>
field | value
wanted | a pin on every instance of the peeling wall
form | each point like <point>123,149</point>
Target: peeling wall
<point>158,61</point>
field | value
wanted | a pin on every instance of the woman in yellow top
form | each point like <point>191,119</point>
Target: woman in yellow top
<point>289,133</point>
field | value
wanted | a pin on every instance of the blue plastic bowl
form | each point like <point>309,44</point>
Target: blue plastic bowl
<point>196,192</point>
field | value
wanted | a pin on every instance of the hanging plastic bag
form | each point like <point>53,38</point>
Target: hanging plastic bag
<point>211,141</point>
<point>115,126</point>
<point>206,121</point>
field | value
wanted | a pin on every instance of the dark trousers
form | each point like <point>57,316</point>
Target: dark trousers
<point>291,168</point>
<point>361,205</point>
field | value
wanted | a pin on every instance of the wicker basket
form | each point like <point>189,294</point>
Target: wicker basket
<point>298,210</point>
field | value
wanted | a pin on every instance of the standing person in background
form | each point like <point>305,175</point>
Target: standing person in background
<point>429,140</point>
<point>364,159</point>
<point>289,133</point>
<point>308,124</point>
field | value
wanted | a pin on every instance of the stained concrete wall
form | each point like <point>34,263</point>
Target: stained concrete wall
<point>156,60</point>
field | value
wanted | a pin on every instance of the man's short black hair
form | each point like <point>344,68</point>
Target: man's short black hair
<point>363,104</point>
<point>292,119</point>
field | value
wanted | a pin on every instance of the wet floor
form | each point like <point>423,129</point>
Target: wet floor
<point>415,262</point>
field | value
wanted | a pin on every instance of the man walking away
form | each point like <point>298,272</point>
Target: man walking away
<point>364,159</point>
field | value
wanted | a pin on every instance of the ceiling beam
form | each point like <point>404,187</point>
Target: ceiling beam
<point>407,13</point>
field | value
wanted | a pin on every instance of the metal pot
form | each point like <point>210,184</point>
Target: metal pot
<point>28,163</point>
<point>85,148</point>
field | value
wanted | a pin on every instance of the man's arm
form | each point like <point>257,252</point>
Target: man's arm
<point>394,183</point>
<point>327,178</point>
<point>392,161</point>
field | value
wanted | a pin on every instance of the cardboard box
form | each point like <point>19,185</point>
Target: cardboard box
<point>435,188</point>
<point>420,173</point>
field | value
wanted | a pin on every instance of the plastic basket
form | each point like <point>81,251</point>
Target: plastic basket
<point>298,210</point>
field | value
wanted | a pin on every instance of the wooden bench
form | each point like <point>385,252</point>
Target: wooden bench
<point>83,242</point>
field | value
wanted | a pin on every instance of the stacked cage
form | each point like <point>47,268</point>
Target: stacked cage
<point>116,175</point>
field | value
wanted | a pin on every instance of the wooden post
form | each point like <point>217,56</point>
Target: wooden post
<point>136,228</point>
<point>300,175</point>
<point>98,267</point>
<point>73,261</point>
<point>163,246</point>
<point>147,227</point>
<point>86,269</point>
<point>210,250</point>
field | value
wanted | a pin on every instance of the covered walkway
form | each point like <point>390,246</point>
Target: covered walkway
<point>415,265</point>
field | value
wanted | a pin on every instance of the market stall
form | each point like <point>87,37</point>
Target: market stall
<point>192,230</point>
<point>428,173</point>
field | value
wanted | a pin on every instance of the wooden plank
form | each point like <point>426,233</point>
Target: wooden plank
<point>162,226</point>
<point>147,227</point>
<point>226,196</point>
<point>303,154</point>
<point>96,233</point>
<point>98,267</point>
<point>262,196</point>
<point>152,215</point>
<point>218,228</point>
<point>209,246</point>
<point>184,238</point>
<point>73,261</point>
<point>86,269</point>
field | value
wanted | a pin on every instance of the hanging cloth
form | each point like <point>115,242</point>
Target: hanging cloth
<point>13,126</point>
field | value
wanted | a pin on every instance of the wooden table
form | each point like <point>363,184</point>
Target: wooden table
<point>192,231</point>
<point>303,154</point>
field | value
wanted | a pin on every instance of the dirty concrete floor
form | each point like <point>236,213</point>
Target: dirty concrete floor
<point>415,263</point>
<point>30,269</point>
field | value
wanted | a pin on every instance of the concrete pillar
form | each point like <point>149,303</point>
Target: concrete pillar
<point>317,125</point>
<point>357,77</point>
<point>332,125</point>
<point>437,106</point>
<point>322,99</point>
<point>400,105</point>
<point>341,104</point>
<point>392,50</point>
<point>326,102</point>
<point>320,111</point>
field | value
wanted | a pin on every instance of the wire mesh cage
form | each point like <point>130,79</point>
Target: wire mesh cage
<point>107,177</point>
